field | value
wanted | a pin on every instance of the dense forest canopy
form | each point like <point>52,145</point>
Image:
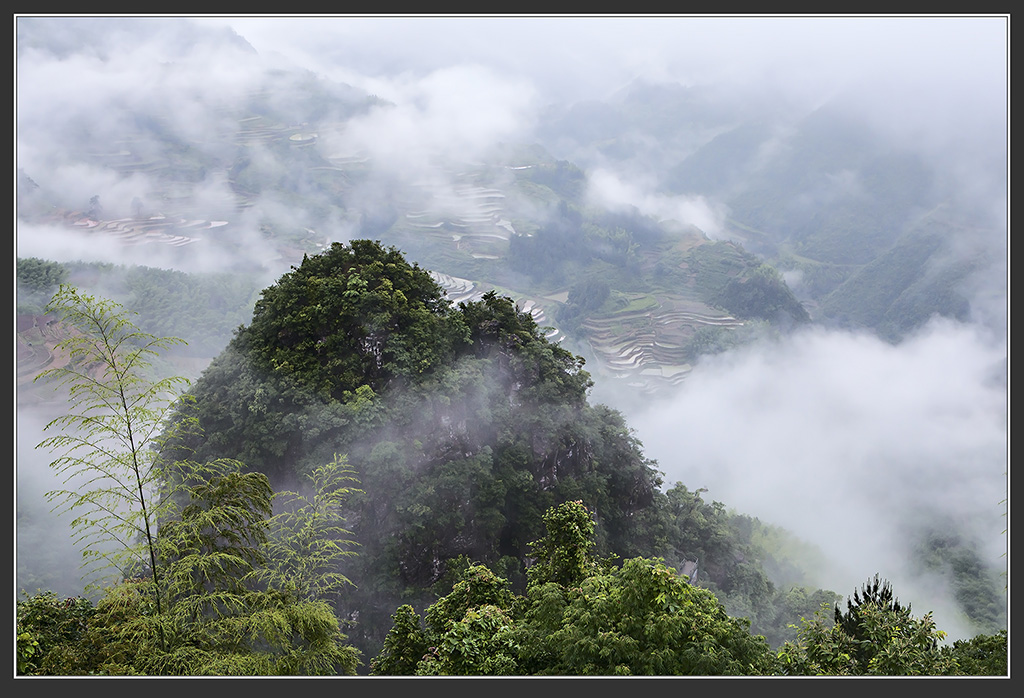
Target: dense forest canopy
<point>464,423</point>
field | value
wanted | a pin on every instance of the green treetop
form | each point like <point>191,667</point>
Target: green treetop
<point>579,617</point>
<point>357,314</point>
<point>876,635</point>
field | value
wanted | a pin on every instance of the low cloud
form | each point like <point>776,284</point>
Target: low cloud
<point>606,189</point>
<point>454,113</point>
<point>851,443</point>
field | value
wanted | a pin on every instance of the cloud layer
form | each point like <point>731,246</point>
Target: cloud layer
<point>853,444</point>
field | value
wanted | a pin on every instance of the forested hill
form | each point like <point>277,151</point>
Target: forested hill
<point>464,425</point>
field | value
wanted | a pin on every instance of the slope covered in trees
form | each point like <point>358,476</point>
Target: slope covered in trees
<point>584,615</point>
<point>579,616</point>
<point>477,459</point>
<point>464,425</point>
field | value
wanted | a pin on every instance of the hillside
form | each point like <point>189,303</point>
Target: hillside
<point>491,225</point>
<point>464,423</point>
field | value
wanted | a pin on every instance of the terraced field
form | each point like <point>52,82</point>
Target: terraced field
<point>159,229</point>
<point>648,348</point>
<point>465,291</point>
<point>36,339</point>
<point>465,215</point>
<point>461,212</point>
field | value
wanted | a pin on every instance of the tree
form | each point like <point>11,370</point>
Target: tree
<point>404,646</point>
<point>188,539</point>
<point>982,655</point>
<point>107,459</point>
<point>308,540</point>
<point>587,616</point>
<point>643,619</point>
<point>49,630</point>
<point>37,280</point>
<point>564,556</point>
<point>215,617</point>
<point>467,632</point>
<point>357,314</point>
<point>876,635</point>
<point>761,293</point>
<point>220,619</point>
<point>580,616</point>
<point>481,643</point>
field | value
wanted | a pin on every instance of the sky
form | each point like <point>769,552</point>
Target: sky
<point>939,81</point>
<point>845,439</point>
<point>593,56</point>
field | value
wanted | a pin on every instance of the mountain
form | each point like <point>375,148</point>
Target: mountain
<point>822,195</point>
<point>464,424</point>
<point>637,235</point>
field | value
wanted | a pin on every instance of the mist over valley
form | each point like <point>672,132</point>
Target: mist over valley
<point>778,244</point>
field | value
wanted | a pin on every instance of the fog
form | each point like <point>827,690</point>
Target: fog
<point>607,189</point>
<point>854,444</point>
<point>851,442</point>
<point>455,87</point>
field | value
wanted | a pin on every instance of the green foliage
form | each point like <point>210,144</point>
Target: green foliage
<point>753,569</point>
<point>730,277</point>
<point>37,274</point>
<point>477,587</point>
<point>557,250</point>
<point>404,646</point>
<point>866,297</point>
<point>214,541</point>
<point>460,461</point>
<point>468,632</point>
<point>584,297</point>
<point>594,619</point>
<point>215,618</point>
<point>219,620</point>
<point>28,647</point>
<point>912,280</point>
<point>193,536</point>
<point>974,586</point>
<point>589,294</point>
<point>203,308</point>
<point>308,540</point>
<point>563,556</point>
<point>355,315</point>
<point>544,372</point>
<point>643,619</point>
<point>832,192</point>
<point>982,655</point>
<point>37,280</point>
<point>481,643</point>
<point>105,445</point>
<point>760,293</point>
<point>562,177</point>
<point>876,635</point>
<point>715,264</point>
<point>577,247</point>
<point>48,630</point>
